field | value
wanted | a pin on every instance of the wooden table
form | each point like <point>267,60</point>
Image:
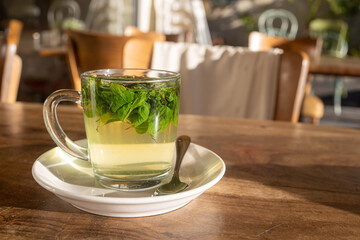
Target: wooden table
<point>59,51</point>
<point>338,67</point>
<point>283,181</point>
<point>325,65</point>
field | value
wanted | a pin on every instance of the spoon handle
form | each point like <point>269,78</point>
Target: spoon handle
<point>182,144</point>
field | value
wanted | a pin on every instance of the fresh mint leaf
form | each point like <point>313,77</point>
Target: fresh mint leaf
<point>165,118</point>
<point>176,112</point>
<point>171,96</point>
<point>143,128</point>
<point>140,98</point>
<point>152,128</point>
<point>108,117</point>
<point>146,107</point>
<point>124,112</point>
<point>120,96</point>
<point>139,115</point>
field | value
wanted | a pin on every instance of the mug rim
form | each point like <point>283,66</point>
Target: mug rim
<point>108,77</point>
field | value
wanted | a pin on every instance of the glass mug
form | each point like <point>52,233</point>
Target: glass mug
<point>131,118</point>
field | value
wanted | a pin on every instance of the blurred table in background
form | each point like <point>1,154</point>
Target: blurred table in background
<point>59,51</point>
<point>348,66</point>
<point>338,68</point>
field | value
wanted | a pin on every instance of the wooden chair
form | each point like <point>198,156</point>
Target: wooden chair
<point>10,63</point>
<point>90,51</point>
<point>313,107</point>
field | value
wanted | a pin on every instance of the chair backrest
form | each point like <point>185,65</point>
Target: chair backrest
<point>226,81</point>
<point>186,36</point>
<point>278,22</point>
<point>11,63</point>
<point>90,51</point>
<point>142,43</point>
<point>311,46</point>
<point>133,31</point>
<point>137,53</point>
<point>333,34</point>
<point>294,68</point>
<point>156,36</point>
<point>61,10</point>
<point>263,42</point>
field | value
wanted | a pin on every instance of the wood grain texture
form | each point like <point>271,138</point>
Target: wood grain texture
<point>283,181</point>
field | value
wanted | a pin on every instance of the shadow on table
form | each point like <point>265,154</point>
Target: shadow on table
<point>335,186</point>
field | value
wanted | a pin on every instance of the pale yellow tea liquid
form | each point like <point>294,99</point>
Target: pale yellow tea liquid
<point>119,153</point>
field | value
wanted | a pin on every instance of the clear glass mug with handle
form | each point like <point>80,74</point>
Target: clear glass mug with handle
<point>131,118</point>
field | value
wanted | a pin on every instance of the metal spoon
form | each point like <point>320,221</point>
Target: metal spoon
<point>175,185</point>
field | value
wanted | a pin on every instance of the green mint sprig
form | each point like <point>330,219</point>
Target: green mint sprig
<point>147,108</point>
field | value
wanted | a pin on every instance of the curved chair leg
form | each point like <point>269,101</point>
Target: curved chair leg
<point>313,109</point>
<point>339,87</point>
<point>315,121</point>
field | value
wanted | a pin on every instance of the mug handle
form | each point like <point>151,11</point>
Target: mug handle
<point>53,126</point>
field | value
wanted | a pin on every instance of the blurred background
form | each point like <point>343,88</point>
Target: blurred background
<point>228,22</point>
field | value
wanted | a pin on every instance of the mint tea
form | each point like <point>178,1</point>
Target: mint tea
<point>131,119</point>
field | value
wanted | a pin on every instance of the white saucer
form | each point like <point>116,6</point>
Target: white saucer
<point>72,180</point>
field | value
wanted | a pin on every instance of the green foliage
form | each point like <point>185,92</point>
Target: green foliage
<point>147,108</point>
<point>338,8</point>
<point>355,52</point>
<point>310,13</point>
<point>344,7</point>
<point>248,20</point>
